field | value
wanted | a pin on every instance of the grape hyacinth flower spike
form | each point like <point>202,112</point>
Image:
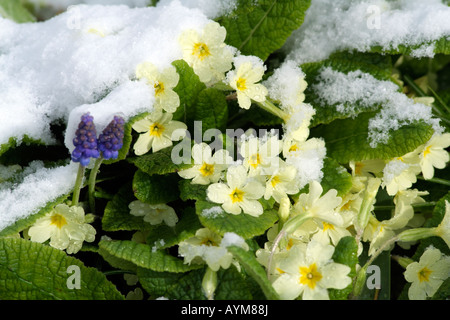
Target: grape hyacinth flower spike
<point>85,141</point>
<point>110,140</point>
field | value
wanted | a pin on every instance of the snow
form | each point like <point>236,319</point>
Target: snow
<point>345,91</point>
<point>232,239</point>
<point>81,56</point>
<point>39,187</point>
<point>332,25</point>
<point>213,212</point>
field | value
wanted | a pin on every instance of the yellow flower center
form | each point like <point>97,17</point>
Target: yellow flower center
<point>327,226</point>
<point>254,160</point>
<point>427,151</point>
<point>237,195</point>
<point>207,169</point>
<point>310,276</point>
<point>275,180</point>
<point>293,148</point>
<point>241,84</point>
<point>290,244</point>
<point>58,220</point>
<point>201,50</point>
<point>156,129</point>
<point>347,205</point>
<point>424,274</point>
<point>358,167</point>
<point>159,88</point>
<point>209,242</point>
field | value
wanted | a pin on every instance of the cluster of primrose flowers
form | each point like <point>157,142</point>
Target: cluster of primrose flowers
<point>67,226</point>
<point>297,255</point>
<point>299,248</point>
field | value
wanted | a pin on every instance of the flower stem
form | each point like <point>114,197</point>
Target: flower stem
<point>436,180</point>
<point>78,185</point>
<point>92,180</point>
<point>271,108</point>
<point>361,276</point>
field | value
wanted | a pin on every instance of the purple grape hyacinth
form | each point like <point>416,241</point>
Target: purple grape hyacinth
<point>111,139</point>
<point>85,141</point>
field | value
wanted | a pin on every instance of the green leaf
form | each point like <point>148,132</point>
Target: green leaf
<point>33,271</point>
<point>117,215</point>
<point>22,224</point>
<point>347,139</point>
<point>164,236</point>
<point>142,255</point>
<point>232,285</point>
<point>377,65</point>
<point>159,162</point>
<point>191,191</point>
<point>259,28</point>
<point>336,177</point>
<point>188,88</point>
<point>177,286</point>
<point>346,252</point>
<point>212,110</point>
<point>155,189</point>
<point>440,46</point>
<point>242,224</point>
<point>434,221</point>
<point>14,10</point>
<point>255,270</point>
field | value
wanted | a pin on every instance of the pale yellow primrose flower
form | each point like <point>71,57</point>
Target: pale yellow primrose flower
<point>65,227</point>
<point>207,168</point>
<point>163,84</point>
<point>157,132</point>
<point>434,154</point>
<point>261,155</point>
<point>378,232</point>
<point>309,271</point>
<point>210,248</point>
<point>319,207</point>
<point>427,275</point>
<point>281,183</point>
<point>400,173</point>
<point>239,193</point>
<point>244,80</point>
<point>207,53</point>
<point>154,213</point>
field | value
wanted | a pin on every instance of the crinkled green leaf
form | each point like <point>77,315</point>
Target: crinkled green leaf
<point>347,139</point>
<point>248,260</point>
<point>164,236</point>
<point>242,224</point>
<point>188,88</point>
<point>191,191</point>
<point>117,215</point>
<point>377,65</point>
<point>33,271</point>
<point>155,189</point>
<point>159,162</point>
<point>336,177</point>
<point>259,28</point>
<point>177,286</point>
<point>14,10</point>
<point>440,46</point>
<point>143,255</point>
<point>212,110</point>
<point>346,252</point>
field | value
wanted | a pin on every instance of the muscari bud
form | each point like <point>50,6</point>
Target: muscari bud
<point>85,141</point>
<point>111,139</point>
